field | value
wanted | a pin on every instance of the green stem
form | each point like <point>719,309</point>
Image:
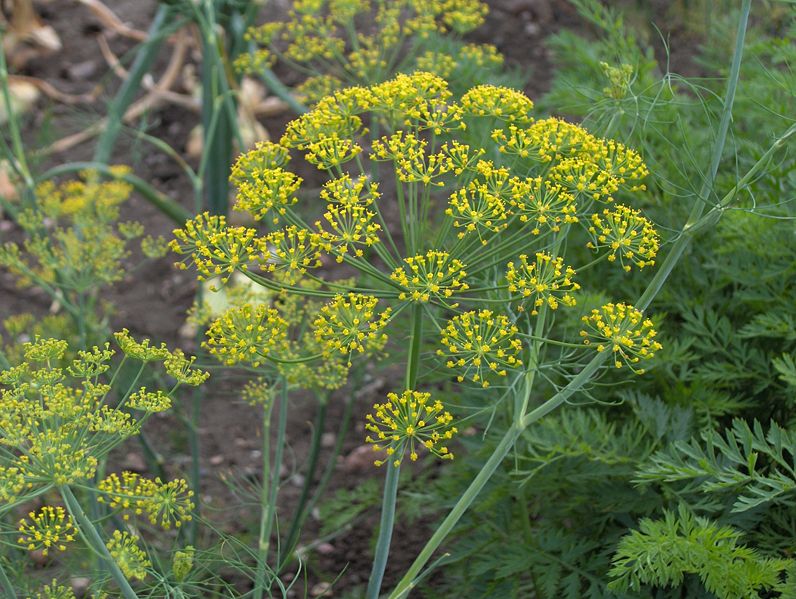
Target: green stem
<point>300,514</point>
<point>387,521</point>
<point>270,488</point>
<point>406,584</point>
<point>93,538</point>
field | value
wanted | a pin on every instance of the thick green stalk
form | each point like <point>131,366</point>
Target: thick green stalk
<point>406,584</point>
<point>387,521</point>
<point>93,538</point>
<point>271,485</point>
<point>132,84</point>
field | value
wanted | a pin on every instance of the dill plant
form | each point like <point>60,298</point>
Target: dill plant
<point>464,246</point>
<point>59,419</point>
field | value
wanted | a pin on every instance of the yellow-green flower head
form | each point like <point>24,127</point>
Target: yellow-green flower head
<point>330,151</point>
<point>349,323</point>
<point>542,204</point>
<point>131,559</point>
<point>180,368</point>
<point>268,192</point>
<point>49,528</point>
<point>462,157</point>
<point>367,62</point>
<point>502,103</point>
<point>438,63</point>
<point>557,140</point>
<point>58,455</point>
<point>481,345</point>
<point>149,401</point>
<point>12,483</point>
<point>404,100</point>
<point>164,504</point>
<point>626,235</point>
<point>312,89</point>
<point>111,421</point>
<point>408,422</point>
<point>462,16</point>
<point>481,55</point>
<point>329,373</point>
<point>345,10</point>
<point>349,228</point>
<point>545,281</point>
<point>170,503</point>
<point>143,350</point>
<point>311,37</point>
<point>249,334</point>
<point>433,275</point>
<point>584,179</point>
<point>217,249</point>
<point>45,350</point>
<point>475,210</point>
<point>263,34</point>
<point>154,247</point>
<point>321,122</point>
<point>92,363</point>
<point>348,192</point>
<point>624,163</point>
<point>293,251</point>
<point>622,330</point>
<point>54,591</point>
<point>182,564</point>
<point>257,392</point>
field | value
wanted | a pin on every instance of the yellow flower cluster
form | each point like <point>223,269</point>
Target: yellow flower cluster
<point>542,204</point>
<point>131,559</point>
<point>149,401</point>
<point>49,528</point>
<point>73,240</point>
<point>623,330</point>
<point>267,191</point>
<point>54,591</point>
<point>626,235</point>
<point>502,103</point>
<point>433,275</point>
<point>545,281</point>
<point>165,504</point>
<point>585,179</point>
<point>349,324</point>
<point>407,422</point>
<point>481,345</point>
<point>475,209</point>
<point>293,252</point>
<point>249,333</point>
<point>349,193</point>
<point>216,248</point>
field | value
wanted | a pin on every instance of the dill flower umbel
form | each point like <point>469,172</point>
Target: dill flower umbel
<point>267,191</point>
<point>49,528</point>
<point>131,559</point>
<point>623,330</point>
<point>217,249</point>
<point>249,333</point>
<point>165,504</point>
<point>544,281</point>
<point>501,103</point>
<point>54,591</point>
<point>407,422</point>
<point>434,274</point>
<point>475,209</point>
<point>350,324</point>
<point>543,204</point>
<point>626,234</point>
<point>148,401</point>
<point>480,345</point>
